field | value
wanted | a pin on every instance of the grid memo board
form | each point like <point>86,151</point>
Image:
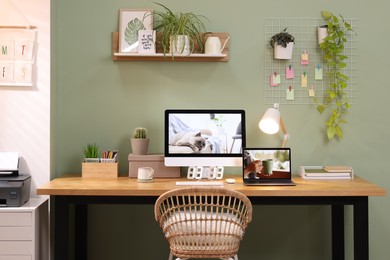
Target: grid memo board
<point>304,31</point>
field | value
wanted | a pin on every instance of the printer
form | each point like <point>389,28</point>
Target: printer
<point>14,190</point>
<point>14,187</point>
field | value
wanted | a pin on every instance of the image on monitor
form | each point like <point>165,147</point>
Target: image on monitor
<point>204,137</point>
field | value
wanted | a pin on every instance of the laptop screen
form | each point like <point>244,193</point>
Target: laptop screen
<point>266,164</point>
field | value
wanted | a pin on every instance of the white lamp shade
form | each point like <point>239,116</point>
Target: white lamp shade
<point>269,124</point>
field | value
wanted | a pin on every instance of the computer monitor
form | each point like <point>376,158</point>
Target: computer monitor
<point>204,137</point>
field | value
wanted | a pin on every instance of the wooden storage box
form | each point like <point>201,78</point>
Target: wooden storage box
<point>156,161</point>
<point>93,170</point>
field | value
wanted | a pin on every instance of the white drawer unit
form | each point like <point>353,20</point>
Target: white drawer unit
<point>24,231</point>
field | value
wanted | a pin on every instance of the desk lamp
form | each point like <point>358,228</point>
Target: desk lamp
<point>272,122</point>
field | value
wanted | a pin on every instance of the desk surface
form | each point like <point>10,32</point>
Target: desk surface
<point>124,186</point>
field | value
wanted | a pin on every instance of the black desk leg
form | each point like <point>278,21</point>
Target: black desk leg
<point>338,251</point>
<point>360,226</point>
<point>61,228</point>
<point>81,231</point>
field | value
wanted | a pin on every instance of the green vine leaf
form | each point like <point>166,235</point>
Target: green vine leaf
<point>131,31</point>
<point>339,132</point>
<point>321,108</point>
<point>331,131</point>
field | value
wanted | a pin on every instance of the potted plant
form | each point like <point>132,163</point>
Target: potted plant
<point>283,45</point>
<point>91,153</point>
<point>333,48</point>
<point>139,141</point>
<point>179,31</point>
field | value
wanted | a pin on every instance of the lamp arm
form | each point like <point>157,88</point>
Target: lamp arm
<point>286,135</point>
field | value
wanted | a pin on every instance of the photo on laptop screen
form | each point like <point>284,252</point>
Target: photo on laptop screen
<point>267,166</point>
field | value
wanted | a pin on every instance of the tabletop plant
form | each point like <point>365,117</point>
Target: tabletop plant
<point>336,100</point>
<point>91,151</point>
<point>173,25</point>
<point>139,133</point>
<point>139,141</point>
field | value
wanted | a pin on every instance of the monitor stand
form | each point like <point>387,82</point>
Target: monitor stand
<point>205,172</point>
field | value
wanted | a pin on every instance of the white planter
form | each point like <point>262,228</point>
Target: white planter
<point>180,45</point>
<point>91,160</point>
<point>282,53</point>
<point>322,32</point>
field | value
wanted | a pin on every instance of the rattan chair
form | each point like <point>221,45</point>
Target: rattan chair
<point>203,222</point>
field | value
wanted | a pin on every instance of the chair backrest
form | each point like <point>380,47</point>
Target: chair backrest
<point>203,222</point>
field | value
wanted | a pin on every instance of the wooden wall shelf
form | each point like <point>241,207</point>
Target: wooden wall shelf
<point>159,56</point>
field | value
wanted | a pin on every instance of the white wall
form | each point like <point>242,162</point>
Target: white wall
<point>25,111</point>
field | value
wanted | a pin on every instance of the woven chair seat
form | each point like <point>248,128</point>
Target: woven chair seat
<point>203,222</point>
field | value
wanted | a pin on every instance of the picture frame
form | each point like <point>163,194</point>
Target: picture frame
<point>130,22</point>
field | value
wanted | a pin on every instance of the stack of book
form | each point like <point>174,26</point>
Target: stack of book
<point>326,172</point>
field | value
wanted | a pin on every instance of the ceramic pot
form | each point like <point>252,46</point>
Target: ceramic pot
<point>180,45</point>
<point>139,146</point>
<point>322,33</point>
<point>282,53</point>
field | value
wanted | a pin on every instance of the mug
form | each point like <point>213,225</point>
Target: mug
<point>268,165</point>
<point>145,174</point>
<point>213,45</point>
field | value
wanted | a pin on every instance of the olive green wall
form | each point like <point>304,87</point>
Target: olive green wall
<point>95,99</point>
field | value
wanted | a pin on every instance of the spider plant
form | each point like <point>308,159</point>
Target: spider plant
<point>171,25</point>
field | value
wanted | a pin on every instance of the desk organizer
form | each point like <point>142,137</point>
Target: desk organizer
<point>156,161</point>
<point>102,169</point>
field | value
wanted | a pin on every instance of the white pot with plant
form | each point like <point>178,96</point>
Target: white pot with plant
<point>139,141</point>
<point>179,31</point>
<point>91,153</point>
<point>283,45</point>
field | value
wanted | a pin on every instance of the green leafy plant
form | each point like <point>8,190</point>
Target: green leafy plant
<point>172,24</point>
<point>282,38</point>
<point>139,133</point>
<point>336,99</point>
<point>91,151</point>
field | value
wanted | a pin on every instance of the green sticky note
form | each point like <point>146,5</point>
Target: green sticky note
<point>290,94</point>
<point>318,73</point>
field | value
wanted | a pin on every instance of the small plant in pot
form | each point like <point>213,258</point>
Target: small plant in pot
<point>179,31</point>
<point>283,45</point>
<point>336,100</point>
<point>91,153</point>
<point>139,141</point>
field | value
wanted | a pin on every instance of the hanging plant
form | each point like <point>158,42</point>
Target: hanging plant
<point>336,100</point>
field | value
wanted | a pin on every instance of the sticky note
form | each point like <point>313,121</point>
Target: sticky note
<point>318,73</point>
<point>275,80</point>
<point>311,92</point>
<point>304,58</point>
<point>304,80</point>
<point>272,81</point>
<point>289,72</point>
<point>290,93</point>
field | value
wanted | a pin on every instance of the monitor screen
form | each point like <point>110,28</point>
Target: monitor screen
<point>207,137</point>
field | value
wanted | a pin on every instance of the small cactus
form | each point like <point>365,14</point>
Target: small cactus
<point>139,133</point>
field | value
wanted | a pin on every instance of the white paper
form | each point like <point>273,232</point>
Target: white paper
<point>9,161</point>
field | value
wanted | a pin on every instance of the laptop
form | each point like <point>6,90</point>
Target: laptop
<point>267,166</point>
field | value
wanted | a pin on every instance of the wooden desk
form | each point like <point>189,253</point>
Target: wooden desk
<point>80,192</point>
